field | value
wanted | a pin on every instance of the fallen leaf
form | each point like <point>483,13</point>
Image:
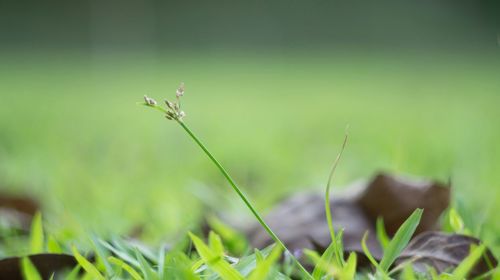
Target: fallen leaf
<point>300,220</point>
<point>394,198</point>
<point>16,212</point>
<point>46,264</point>
<point>22,204</point>
<point>444,252</point>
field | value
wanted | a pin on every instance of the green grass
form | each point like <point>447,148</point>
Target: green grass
<point>71,134</point>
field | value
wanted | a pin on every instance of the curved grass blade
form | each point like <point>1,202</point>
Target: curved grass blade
<point>367,252</point>
<point>126,267</point>
<point>121,253</point>
<point>382,236</point>
<point>86,265</point>
<point>338,255</point>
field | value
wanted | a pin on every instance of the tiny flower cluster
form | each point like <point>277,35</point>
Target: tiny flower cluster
<point>173,110</point>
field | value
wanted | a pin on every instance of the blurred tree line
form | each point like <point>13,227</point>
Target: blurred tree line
<point>192,24</point>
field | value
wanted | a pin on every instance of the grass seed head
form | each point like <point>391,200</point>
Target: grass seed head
<point>173,109</point>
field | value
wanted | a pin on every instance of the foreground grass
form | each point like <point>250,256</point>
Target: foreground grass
<point>120,258</point>
<point>70,134</point>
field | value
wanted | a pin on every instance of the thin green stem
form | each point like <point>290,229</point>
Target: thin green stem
<point>244,198</point>
<point>328,210</point>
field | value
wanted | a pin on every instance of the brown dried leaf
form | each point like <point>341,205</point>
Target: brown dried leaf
<point>46,264</point>
<point>22,204</point>
<point>394,198</point>
<point>17,211</point>
<point>301,223</point>
<point>444,252</point>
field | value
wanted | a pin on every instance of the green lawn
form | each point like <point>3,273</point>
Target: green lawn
<point>72,134</point>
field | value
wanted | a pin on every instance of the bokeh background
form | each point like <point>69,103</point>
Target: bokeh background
<point>270,88</point>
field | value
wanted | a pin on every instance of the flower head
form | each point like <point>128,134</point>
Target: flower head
<point>173,109</point>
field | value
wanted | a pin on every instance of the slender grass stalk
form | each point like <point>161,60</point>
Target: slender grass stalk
<point>173,112</point>
<point>328,211</point>
<point>242,196</point>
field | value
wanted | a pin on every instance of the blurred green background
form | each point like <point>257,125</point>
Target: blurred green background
<point>270,88</point>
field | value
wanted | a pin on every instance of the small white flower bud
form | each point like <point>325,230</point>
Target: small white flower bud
<point>149,101</point>
<point>180,90</point>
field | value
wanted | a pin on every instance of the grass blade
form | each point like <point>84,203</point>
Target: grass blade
<point>73,274</point>
<point>248,263</point>
<point>179,266</point>
<point>382,236</point>
<point>215,244</point>
<point>327,258</point>
<point>29,270</point>
<point>367,252</point>
<point>146,269</point>
<point>53,246</point>
<point>36,236</point>
<point>264,265</point>
<point>400,240</point>
<point>235,242</point>
<point>121,253</point>
<point>468,263</point>
<point>126,267</point>
<point>338,257</point>
<point>161,262</point>
<point>86,265</point>
<point>101,254</point>
<point>214,261</point>
<point>456,222</point>
<point>349,270</point>
<point>408,273</point>
<point>258,257</point>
